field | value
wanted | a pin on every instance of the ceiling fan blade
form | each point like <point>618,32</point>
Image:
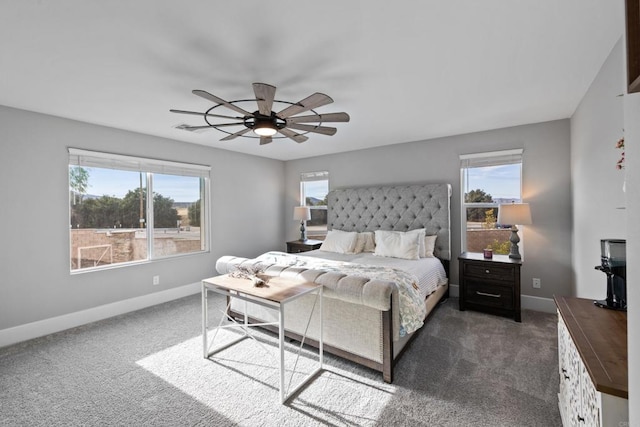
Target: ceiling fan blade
<point>291,134</point>
<point>312,101</point>
<point>197,113</point>
<point>221,125</point>
<point>235,135</point>
<point>206,95</point>
<point>325,130</point>
<point>265,140</point>
<point>187,127</point>
<point>210,127</point>
<point>324,118</point>
<point>264,95</point>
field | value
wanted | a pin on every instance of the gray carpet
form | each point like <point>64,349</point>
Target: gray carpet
<point>146,368</point>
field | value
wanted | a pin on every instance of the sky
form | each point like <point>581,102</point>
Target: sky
<point>117,183</point>
<point>317,189</point>
<point>500,181</point>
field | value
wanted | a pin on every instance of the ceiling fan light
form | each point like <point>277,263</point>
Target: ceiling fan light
<point>265,129</point>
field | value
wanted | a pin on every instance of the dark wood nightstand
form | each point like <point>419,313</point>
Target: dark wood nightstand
<point>297,246</point>
<point>490,285</point>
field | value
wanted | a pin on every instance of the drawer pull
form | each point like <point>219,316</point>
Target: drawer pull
<point>566,377</point>
<point>487,271</point>
<point>484,294</point>
<point>580,419</point>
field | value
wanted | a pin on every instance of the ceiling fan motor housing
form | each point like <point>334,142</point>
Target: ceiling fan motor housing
<point>258,121</point>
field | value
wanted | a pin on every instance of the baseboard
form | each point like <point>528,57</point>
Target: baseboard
<point>454,291</point>
<point>528,302</point>
<point>545,305</point>
<point>60,323</point>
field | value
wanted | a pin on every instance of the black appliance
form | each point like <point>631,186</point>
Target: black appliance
<point>613,263</point>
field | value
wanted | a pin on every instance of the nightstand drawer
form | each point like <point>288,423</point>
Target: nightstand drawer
<point>486,271</point>
<point>488,294</point>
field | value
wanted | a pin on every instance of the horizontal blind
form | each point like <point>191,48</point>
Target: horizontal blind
<point>98,159</point>
<point>314,176</point>
<point>494,158</point>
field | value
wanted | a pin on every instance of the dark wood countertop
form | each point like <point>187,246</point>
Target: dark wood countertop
<point>600,335</point>
<point>478,256</point>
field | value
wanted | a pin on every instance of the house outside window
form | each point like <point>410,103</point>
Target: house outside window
<point>125,209</point>
<point>314,189</point>
<point>488,180</point>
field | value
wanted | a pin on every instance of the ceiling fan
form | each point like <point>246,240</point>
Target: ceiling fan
<point>264,122</point>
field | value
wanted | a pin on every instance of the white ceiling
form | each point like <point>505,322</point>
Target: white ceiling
<point>405,71</point>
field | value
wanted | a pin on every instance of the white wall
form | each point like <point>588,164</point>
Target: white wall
<point>632,146</point>
<point>546,244</point>
<point>598,198</point>
<point>597,192</point>
<point>35,282</point>
<point>632,142</point>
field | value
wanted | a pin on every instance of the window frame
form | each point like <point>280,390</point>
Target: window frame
<point>484,159</point>
<point>149,167</point>
<point>310,177</point>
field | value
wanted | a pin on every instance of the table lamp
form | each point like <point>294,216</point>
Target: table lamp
<point>302,214</point>
<point>512,214</point>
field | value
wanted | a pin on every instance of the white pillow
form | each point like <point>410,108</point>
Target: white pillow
<point>397,244</point>
<point>430,245</point>
<point>342,242</point>
<point>421,232</point>
<point>365,242</point>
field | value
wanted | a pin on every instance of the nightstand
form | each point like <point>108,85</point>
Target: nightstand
<point>297,246</point>
<point>490,285</point>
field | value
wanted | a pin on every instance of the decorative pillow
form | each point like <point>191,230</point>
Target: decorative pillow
<point>397,244</point>
<point>365,242</point>
<point>342,242</point>
<point>421,232</point>
<point>430,245</point>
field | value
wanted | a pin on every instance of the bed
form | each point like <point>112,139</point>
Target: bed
<point>374,302</point>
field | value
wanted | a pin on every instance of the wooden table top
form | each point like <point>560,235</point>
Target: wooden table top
<point>277,289</point>
<point>600,335</point>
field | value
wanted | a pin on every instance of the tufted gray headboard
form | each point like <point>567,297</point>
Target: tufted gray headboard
<point>396,207</point>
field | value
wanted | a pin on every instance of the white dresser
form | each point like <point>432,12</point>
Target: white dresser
<point>592,364</point>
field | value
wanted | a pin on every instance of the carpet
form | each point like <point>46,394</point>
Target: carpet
<point>146,368</point>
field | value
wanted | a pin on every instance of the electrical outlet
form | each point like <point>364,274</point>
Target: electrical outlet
<point>536,283</point>
<point>156,280</point>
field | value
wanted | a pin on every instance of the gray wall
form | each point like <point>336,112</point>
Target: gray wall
<point>35,283</point>
<point>546,244</point>
<point>597,193</point>
<point>632,141</point>
<point>598,198</point>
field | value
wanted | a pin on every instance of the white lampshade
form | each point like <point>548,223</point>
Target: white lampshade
<point>302,213</point>
<point>514,213</point>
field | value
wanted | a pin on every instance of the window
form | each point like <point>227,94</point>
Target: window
<point>127,209</point>
<point>487,180</point>
<point>314,188</point>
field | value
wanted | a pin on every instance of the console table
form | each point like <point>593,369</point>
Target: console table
<point>275,295</point>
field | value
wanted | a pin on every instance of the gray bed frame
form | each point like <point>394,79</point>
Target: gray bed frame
<point>399,208</point>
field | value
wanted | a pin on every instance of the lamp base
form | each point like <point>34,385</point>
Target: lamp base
<point>514,252</point>
<point>303,232</point>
